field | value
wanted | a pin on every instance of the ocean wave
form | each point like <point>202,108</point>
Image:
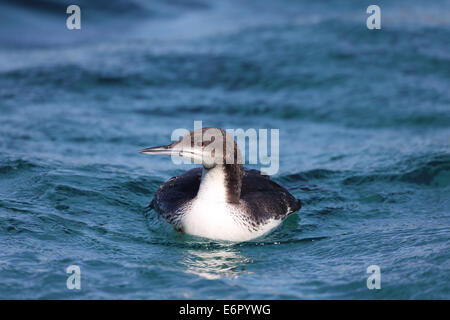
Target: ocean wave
<point>434,171</point>
<point>314,174</point>
<point>16,166</point>
<point>157,8</point>
<point>276,76</point>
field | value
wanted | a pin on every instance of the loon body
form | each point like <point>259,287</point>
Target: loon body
<point>222,200</point>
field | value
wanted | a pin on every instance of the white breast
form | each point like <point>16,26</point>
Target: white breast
<point>220,221</point>
<point>210,216</point>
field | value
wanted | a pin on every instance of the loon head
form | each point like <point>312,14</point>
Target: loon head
<point>217,152</point>
<point>209,147</point>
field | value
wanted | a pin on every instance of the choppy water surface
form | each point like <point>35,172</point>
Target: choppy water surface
<point>364,119</point>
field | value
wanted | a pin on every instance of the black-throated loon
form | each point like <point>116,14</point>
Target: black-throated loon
<point>222,200</point>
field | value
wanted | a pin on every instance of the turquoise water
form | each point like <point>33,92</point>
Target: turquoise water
<point>364,119</point>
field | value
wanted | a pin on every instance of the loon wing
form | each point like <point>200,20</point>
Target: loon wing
<point>174,194</point>
<point>265,198</point>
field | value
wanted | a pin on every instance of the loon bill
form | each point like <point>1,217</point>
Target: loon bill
<point>221,200</point>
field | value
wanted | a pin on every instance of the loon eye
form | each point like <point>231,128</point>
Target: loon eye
<point>205,143</point>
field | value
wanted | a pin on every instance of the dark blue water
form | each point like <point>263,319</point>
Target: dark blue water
<point>364,119</point>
